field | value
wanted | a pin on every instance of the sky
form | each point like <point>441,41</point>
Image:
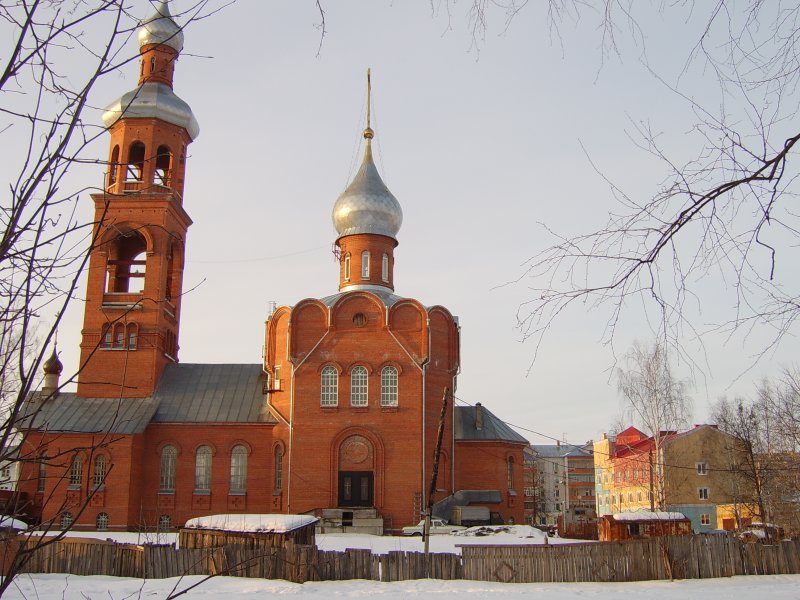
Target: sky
<point>488,147</point>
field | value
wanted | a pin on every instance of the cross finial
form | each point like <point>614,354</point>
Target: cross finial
<point>368,133</point>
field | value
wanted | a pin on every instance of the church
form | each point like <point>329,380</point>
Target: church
<point>347,416</point>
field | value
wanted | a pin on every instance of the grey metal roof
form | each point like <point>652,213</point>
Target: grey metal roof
<point>492,428</point>
<point>66,412</point>
<point>210,393</point>
<point>386,297</point>
<point>160,28</point>
<point>153,100</point>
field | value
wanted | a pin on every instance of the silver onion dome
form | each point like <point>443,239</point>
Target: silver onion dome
<point>160,28</point>
<point>367,205</point>
<point>153,100</point>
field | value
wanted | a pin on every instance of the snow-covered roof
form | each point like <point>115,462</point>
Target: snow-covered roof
<point>12,523</point>
<point>646,515</point>
<point>262,523</point>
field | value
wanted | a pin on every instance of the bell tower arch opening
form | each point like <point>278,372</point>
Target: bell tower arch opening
<point>127,264</point>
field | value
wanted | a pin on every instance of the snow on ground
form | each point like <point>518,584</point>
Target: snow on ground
<point>73,587</point>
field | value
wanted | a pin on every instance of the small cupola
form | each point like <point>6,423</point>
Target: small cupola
<point>367,218</point>
<point>52,368</point>
<point>161,29</point>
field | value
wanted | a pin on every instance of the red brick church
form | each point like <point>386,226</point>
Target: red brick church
<point>340,419</point>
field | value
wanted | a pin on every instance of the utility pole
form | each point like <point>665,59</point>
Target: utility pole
<point>652,494</point>
<point>436,454</point>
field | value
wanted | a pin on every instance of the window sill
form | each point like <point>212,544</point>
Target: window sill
<point>330,407</point>
<point>359,408</point>
<point>166,492</point>
<point>389,408</point>
<point>74,486</point>
<point>237,493</point>
<point>201,493</point>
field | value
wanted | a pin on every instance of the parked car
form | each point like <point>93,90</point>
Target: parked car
<point>761,533</point>
<point>438,526</point>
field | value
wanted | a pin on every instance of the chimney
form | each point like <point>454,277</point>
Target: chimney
<point>478,416</point>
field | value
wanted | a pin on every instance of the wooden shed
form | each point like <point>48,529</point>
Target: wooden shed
<point>642,524</point>
<point>250,530</point>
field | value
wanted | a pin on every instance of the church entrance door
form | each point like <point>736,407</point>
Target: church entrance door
<point>356,488</point>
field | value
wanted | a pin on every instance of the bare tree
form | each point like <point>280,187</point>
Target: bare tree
<point>55,53</point>
<point>724,212</point>
<point>752,470</point>
<point>657,402</point>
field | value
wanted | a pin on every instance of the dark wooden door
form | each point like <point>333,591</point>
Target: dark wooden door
<point>355,488</point>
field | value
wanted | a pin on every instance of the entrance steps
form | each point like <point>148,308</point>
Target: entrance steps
<point>349,520</point>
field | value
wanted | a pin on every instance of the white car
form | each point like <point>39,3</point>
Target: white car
<point>438,526</point>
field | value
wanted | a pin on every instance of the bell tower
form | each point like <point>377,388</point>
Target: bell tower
<point>133,297</point>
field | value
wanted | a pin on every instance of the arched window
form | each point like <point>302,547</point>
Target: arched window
<point>385,267</point>
<point>202,470</point>
<point>102,521</point>
<point>152,64</point>
<point>133,336</point>
<point>358,386</point>
<point>66,520</point>
<point>100,470</point>
<point>105,340</point>
<point>112,168</point>
<point>510,472</point>
<point>278,468</point>
<point>42,474</point>
<point>164,166</point>
<point>135,170</point>
<point>329,387</point>
<point>238,469</point>
<point>127,261</point>
<point>164,523</point>
<point>389,386</point>
<point>365,265</point>
<point>119,336</point>
<point>169,457</point>
<point>76,471</point>
<point>347,267</point>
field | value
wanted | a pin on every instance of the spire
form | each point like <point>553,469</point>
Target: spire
<point>367,205</point>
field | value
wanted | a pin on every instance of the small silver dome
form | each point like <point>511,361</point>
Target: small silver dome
<point>153,100</point>
<point>160,28</point>
<point>367,205</point>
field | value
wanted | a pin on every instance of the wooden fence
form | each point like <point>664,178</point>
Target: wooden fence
<point>683,557</point>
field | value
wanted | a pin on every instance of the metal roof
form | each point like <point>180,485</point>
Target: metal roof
<point>66,412</point>
<point>186,393</point>
<point>211,393</point>
<point>492,428</point>
<point>382,293</point>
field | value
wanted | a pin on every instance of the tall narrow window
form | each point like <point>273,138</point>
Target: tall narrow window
<point>385,267</point>
<point>389,386</point>
<point>329,387</point>
<point>152,64</point>
<point>133,335</point>
<point>102,521</point>
<point>105,341</point>
<point>347,267</point>
<point>703,493</point>
<point>112,168</point>
<point>278,468</point>
<point>135,170</point>
<point>365,265</point>
<point>358,386</point>
<point>42,474</point>
<point>119,336</point>
<point>202,470</point>
<point>169,457</point>
<point>76,471</point>
<point>100,471</point>
<point>510,472</point>
<point>163,166</point>
<point>238,469</point>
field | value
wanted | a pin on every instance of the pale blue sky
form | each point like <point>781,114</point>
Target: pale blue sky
<point>479,148</point>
